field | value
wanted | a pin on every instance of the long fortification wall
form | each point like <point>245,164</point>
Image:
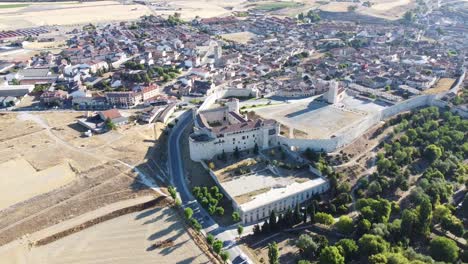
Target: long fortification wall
<point>347,136</point>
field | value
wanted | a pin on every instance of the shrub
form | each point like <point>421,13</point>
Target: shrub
<point>324,218</point>
<point>444,249</point>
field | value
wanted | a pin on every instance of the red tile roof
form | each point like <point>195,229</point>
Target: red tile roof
<point>111,114</point>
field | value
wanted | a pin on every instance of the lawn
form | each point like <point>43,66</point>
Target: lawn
<point>13,6</point>
<point>274,6</point>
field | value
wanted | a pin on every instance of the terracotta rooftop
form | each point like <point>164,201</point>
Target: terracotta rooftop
<point>111,114</point>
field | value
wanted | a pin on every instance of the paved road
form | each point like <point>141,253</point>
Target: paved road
<point>228,235</point>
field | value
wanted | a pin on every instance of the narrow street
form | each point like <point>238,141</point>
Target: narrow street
<point>227,235</point>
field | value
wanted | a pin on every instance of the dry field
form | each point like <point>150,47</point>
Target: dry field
<point>59,174</point>
<point>240,37</point>
<point>388,9</point>
<point>190,9</point>
<point>125,239</point>
<point>68,13</point>
<point>18,173</point>
<point>29,14</point>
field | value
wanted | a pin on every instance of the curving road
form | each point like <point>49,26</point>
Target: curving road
<point>228,235</point>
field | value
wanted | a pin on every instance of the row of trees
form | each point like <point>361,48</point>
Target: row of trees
<point>217,246</point>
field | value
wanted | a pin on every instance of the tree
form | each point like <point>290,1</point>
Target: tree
<point>235,216</point>
<point>409,220</point>
<point>255,149</point>
<point>378,259</point>
<point>273,222</point>
<point>307,246</point>
<point>110,125</point>
<point>240,230</point>
<point>224,255</point>
<point>211,165</point>
<point>311,211</point>
<point>188,212</point>
<point>352,8</point>
<point>374,188</point>
<point>195,224</point>
<point>324,218</point>
<point>432,152</point>
<point>273,253</point>
<point>348,248</point>
<point>363,226</point>
<point>452,224</point>
<point>444,249</point>
<point>409,17</point>
<point>464,208</point>
<point>210,239</point>
<point>302,261</point>
<point>297,214</point>
<point>219,211</point>
<point>331,255</point>
<point>425,217</point>
<point>178,202</point>
<point>172,191</point>
<point>236,153</point>
<point>345,225</point>
<point>217,246</point>
<point>441,211</point>
<point>372,244</point>
<point>256,229</point>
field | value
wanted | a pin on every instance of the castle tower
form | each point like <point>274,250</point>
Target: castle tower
<point>218,52</point>
<point>233,105</point>
<point>332,94</point>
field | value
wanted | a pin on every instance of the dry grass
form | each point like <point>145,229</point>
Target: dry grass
<point>240,37</point>
<point>48,141</point>
<point>126,239</point>
<point>241,199</point>
<point>443,85</point>
<point>70,13</point>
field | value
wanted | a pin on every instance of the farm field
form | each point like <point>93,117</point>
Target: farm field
<point>63,174</point>
<point>126,239</point>
<point>49,14</point>
<point>32,14</point>
<point>386,9</point>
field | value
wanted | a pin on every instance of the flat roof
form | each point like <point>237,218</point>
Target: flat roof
<point>276,194</point>
<point>29,87</point>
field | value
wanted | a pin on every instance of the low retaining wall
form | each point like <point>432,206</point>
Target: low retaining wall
<point>131,209</point>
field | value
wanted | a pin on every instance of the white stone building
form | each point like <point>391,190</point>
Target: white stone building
<point>280,199</point>
<point>224,129</point>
